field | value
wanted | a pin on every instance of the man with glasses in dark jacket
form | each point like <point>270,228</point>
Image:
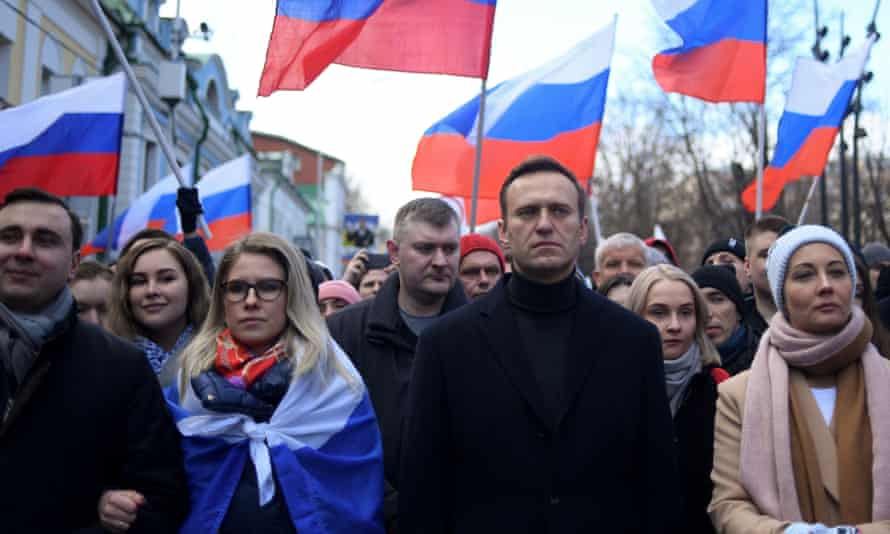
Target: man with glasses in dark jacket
<point>82,412</point>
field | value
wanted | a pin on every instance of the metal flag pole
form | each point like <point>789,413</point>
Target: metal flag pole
<point>595,213</point>
<point>140,94</point>
<point>842,150</point>
<point>806,205</point>
<point>477,166</point>
<point>761,155</point>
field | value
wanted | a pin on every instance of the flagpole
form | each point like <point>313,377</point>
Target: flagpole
<point>595,213</point>
<point>477,166</point>
<point>140,94</point>
<point>806,205</point>
<point>761,155</point>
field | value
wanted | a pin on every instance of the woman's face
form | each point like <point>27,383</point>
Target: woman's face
<point>256,316</point>
<point>670,306</point>
<point>818,289</point>
<point>158,292</point>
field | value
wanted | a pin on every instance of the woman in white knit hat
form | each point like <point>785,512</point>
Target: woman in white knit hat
<point>802,440</point>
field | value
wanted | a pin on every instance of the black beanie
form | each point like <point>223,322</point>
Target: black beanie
<point>722,278</point>
<point>734,246</point>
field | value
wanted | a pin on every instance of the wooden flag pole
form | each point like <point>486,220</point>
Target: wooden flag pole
<point>140,94</point>
<point>761,155</point>
<point>477,166</point>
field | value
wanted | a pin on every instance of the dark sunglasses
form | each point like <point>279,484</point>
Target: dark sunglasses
<point>267,289</point>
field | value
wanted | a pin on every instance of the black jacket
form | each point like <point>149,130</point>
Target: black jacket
<point>88,417</point>
<point>694,437</point>
<point>482,454</point>
<point>378,341</point>
<point>743,356</point>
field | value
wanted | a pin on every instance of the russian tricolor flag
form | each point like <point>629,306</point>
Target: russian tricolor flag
<point>437,37</point>
<point>67,143</point>
<point>225,197</point>
<point>723,57</point>
<point>816,106</point>
<point>555,110</point>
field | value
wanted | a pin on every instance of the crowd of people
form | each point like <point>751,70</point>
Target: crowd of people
<point>453,384</point>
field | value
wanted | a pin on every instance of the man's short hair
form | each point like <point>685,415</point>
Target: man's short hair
<point>619,240</point>
<point>90,270</point>
<point>433,211</point>
<point>767,223</point>
<point>33,194</point>
<point>145,233</point>
<point>540,164</point>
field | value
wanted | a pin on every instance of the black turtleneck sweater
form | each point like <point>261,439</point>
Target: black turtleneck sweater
<point>545,315</point>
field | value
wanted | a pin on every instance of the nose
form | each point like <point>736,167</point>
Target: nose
<point>152,286</point>
<point>544,225</point>
<point>251,298</point>
<point>673,323</point>
<point>825,283</point>
<point>440,259</point>
<point>25,248</point>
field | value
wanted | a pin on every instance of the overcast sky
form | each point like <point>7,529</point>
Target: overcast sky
<point>373,120</point>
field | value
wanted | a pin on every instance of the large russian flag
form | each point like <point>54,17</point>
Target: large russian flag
<point>225,197</point>
<point>67,143</point>
<point>437,37</point>
<point>723,57</point>
<point>554,110</point>
<point>816,106</point>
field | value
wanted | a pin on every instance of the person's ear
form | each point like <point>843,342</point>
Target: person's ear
<point>393,249</point>
<point>75,262</point>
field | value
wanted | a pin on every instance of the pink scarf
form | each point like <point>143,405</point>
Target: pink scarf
<point>766,468</point>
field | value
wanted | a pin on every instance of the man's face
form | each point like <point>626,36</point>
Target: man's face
<point>480,270</point>
<point>427,258</point>
<point>542,226</point>
<point>371,283</point>
<point>728,258</point>
<point>628,260</point>
<point>92,299</point>
<point>36,256</point>
<point>755,264</point>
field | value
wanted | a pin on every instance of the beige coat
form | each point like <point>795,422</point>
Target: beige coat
<point>732,510</point>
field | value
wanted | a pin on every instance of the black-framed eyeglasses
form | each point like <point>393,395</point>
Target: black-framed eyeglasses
<point>267,289</point>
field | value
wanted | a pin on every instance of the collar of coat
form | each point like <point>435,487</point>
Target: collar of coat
<point>385,323</point>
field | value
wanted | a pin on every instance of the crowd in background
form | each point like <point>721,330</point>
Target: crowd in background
<point>452,384</point>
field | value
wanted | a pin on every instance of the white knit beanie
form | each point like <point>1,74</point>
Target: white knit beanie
<point>785,246</point>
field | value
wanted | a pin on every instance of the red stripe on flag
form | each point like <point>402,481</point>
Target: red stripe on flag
<point>442,37</point>
<point>63,175</point>
<point>444,162</point>
<point>730,70</point>
<point>228,230</point>
<point>808,161</point>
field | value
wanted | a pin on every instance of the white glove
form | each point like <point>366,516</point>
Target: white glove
<point>807,528</point>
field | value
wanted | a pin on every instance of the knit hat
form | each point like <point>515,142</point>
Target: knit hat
<point>722,278</point>
<point>732,245</point>
<point>338,289</point>
<point>787,244</point>
<point>473,242</point>
<point>875,254</point>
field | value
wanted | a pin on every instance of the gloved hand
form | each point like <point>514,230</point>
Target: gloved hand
<point>819,528</point>
<point>189,206</point>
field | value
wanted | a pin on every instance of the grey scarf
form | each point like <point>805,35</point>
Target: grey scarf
<point>678,373</point>
<point>18,354</point>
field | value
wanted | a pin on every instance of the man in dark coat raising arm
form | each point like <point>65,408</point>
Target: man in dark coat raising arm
<point>541,406</point>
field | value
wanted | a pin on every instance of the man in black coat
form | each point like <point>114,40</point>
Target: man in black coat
<point>86,442</point>
<point>380,334</point>
<point>540,407</point>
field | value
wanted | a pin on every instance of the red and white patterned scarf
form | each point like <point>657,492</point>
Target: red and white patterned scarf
<point>238,365</point>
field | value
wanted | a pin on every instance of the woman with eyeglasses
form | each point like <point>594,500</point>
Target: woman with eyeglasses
<point>159,297</point>
<point>278,432</point>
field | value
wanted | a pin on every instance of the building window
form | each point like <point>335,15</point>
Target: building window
<point>46,79</point>
<point>150,166</point>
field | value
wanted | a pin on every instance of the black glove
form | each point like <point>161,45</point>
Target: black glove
<point>189,206</point>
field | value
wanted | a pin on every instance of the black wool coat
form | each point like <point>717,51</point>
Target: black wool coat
<point>375,337</point>
<point>483,455</point>
<point>694,437</point>
<point>89,417</point>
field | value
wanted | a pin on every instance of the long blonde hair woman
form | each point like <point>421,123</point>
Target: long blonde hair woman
<point>275,420</point>
<point>670,299</point>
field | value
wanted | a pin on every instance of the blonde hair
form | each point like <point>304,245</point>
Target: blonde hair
<point>121,320</point>
<point>304,324</point>
<point>639,293</point>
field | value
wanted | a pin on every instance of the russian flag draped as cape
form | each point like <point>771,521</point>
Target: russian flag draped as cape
<point>322,442</point>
